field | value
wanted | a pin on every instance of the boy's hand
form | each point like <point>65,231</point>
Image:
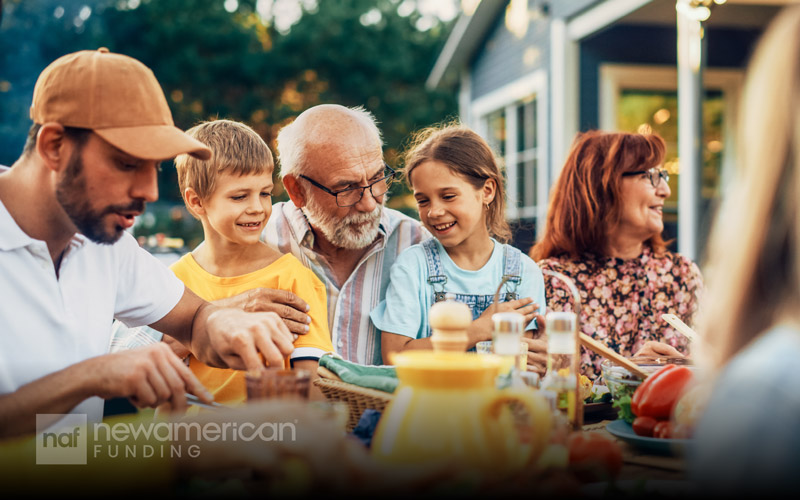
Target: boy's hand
<point>291,308</point>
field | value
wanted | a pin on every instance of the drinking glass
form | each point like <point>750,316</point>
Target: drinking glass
<point>276,383</point>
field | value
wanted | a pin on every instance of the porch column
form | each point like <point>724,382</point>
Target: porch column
<point>691,62</point>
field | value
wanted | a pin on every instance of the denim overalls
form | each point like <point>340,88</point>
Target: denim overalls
<point>476,303</point>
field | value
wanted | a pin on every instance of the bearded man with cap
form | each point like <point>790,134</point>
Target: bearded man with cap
<point>68,267</point>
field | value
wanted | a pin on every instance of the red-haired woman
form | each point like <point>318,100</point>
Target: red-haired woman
<point>603,230</point>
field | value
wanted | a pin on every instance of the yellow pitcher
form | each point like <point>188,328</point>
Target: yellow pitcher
<point>446,409</point>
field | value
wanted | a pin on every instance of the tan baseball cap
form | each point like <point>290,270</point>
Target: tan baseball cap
<point>118,98</point>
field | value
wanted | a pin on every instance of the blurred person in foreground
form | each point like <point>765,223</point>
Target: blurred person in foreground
<point>68,267</point>
<point>748,439</point>
<point>603,231</point>
<point>336,223</point>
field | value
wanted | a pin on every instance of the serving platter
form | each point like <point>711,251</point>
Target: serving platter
<point>660,446</point>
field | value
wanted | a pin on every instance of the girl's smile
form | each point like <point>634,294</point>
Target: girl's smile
<point>451,208</point>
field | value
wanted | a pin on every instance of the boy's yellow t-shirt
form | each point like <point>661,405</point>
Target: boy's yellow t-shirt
<point>286,273</point>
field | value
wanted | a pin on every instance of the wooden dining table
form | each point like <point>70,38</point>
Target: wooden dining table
<point>641,471</point>
<point>638,464</point>
<point>641,465</point>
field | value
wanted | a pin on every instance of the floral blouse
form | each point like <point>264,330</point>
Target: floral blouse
<point>623,300</point>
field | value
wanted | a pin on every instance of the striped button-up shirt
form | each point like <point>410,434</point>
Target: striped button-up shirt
<point>353,335</point>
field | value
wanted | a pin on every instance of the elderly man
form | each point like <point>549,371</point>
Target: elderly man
<point>332,167</point>
<point>336,224</point>
<point>68,267</point>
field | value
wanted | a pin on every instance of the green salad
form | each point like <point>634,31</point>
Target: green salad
<point>623,403</point>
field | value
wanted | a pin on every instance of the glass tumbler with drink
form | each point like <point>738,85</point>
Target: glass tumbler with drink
<point>277,383</point>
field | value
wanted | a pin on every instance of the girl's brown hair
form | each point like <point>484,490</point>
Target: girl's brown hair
<point>585,201</point>
<point>465,153</point>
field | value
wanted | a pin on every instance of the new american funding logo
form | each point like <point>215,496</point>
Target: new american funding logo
<point>69,443</point>
<point>64,445</point>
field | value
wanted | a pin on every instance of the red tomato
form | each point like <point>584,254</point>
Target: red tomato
<point>593,456</point>
<point>658,394</point>
<point>643,426</point>
<point>663,430</point>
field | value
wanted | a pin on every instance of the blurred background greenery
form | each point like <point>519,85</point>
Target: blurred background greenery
<point>261,62</point>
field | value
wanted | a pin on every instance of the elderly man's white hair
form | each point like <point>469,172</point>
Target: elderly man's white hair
<point>306,130</point>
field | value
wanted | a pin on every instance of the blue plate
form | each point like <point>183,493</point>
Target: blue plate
<point>623,430</point>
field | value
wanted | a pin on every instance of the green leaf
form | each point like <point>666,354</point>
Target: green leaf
<point>623,405</point>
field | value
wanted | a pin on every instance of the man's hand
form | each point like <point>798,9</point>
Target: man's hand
<point>234,339</point>
<point>148,376</point>
<point>291,308</point>
<point>179,349</point>
<point>227,337</point>
<point>652,348</point>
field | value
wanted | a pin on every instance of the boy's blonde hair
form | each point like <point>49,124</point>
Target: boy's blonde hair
<point>236,149</point>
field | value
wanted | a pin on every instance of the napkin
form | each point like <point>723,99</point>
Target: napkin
<point>382,378</point>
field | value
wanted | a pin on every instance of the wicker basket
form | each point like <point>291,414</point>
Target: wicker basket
<point>357,398</point>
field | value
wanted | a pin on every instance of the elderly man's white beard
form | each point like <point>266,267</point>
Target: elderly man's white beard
<point>353,232</point>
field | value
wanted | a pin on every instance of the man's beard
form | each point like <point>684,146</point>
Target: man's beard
<point>344,233</point>
<point>72,195</point>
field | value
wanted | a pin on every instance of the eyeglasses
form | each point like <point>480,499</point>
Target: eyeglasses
<point>655,175</point>
<point>350,196</point>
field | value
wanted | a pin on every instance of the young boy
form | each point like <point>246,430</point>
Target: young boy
<point>231,196</point>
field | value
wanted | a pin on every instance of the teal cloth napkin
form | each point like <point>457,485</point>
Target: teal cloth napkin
<point>382,378</point>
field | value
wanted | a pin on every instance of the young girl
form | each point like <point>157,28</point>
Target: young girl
<point>459,192</point>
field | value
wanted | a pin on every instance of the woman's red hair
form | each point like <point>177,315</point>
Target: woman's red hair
<point>585,201</point>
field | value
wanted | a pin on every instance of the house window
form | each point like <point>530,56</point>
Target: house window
<point>658,111</point>
<point>513,134</point>
<point>634,98</point>
<point>512,120</point>
<point>527,158</point>
<point>496,128</point>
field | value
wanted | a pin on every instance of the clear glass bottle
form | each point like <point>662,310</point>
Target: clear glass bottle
<point>561,377</point>
<point>507,336</point>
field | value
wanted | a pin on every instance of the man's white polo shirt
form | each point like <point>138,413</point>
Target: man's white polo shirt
<point>48,323</point>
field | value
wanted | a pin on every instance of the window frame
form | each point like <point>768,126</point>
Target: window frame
<point>532,87</point>
<point>614,78</point>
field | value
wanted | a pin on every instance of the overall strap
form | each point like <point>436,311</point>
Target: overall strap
<point>512,264</point>
<point>436,276</point>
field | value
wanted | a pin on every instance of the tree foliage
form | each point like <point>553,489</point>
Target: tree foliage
<point>381,66</point>
<point>215,63</point>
